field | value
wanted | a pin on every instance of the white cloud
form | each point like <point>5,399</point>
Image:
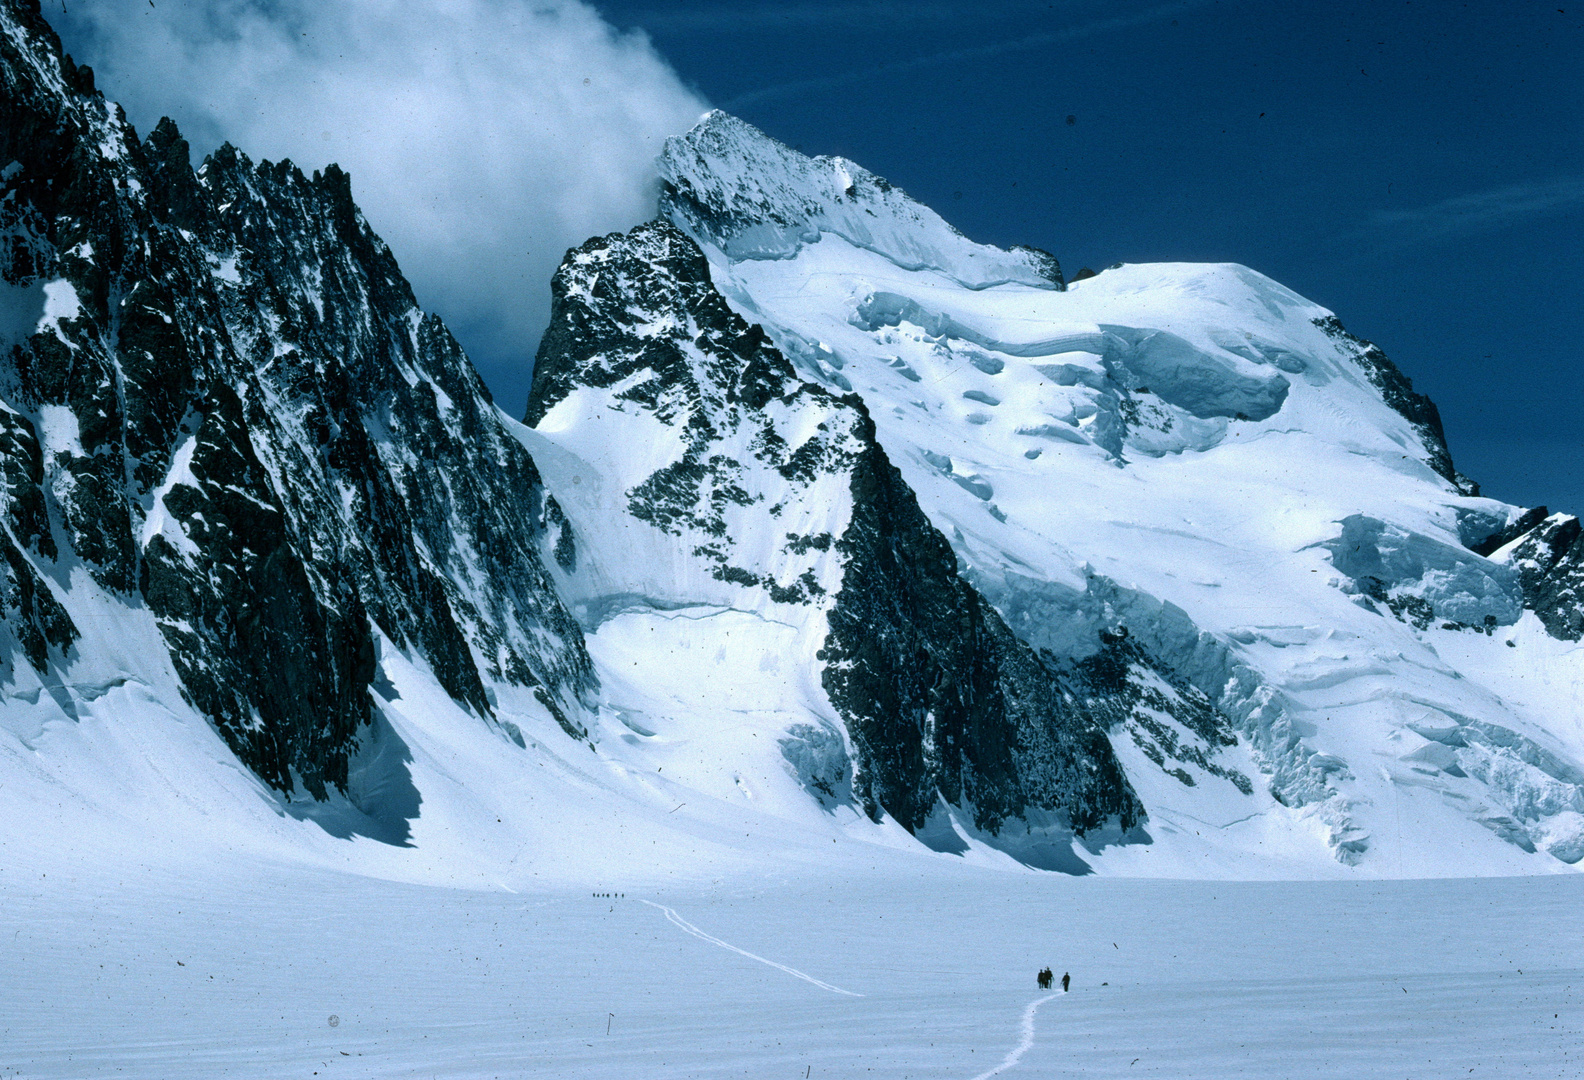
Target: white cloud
<point>483,137</point>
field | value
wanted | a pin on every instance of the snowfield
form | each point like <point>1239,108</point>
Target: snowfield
<point>274,970</point>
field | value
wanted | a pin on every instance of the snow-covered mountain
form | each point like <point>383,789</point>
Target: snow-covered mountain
<point>706,475</point>
<point>1186,477</point>
<point>824,523</point>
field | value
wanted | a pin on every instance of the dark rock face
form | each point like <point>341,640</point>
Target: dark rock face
<point>1396,389</point>
<point>35,623</point>
<point>1173,722</point>
<point>1045,264</point>
<point>1550,564</point>
<point>1506,534</point>
<point>940,700</point>
<point>1546,551</point>
<point>709,382</point>
<point>220,398</point>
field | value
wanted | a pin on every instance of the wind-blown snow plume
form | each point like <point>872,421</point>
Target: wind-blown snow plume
<point>483,137</point>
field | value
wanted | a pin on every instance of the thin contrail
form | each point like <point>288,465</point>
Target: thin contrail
<point>682,924</point>
<point>977,52</point>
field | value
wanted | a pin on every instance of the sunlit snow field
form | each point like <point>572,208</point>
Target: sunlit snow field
<point>276,971</point>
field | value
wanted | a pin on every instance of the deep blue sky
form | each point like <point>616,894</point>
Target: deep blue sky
<point>1416,167</point>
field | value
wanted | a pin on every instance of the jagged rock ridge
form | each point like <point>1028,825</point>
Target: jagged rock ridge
<point>222,402</point>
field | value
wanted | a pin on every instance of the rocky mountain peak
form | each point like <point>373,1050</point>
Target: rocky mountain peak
<point>228,422</point>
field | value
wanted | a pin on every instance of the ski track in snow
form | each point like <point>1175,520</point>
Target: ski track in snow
<point>682,924</point>
<point>1015,1055</point>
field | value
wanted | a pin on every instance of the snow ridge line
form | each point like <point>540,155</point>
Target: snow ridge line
<point>1017,1052</point>
<point>682,924</point>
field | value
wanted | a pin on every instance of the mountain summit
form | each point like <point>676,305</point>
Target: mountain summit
<point>756,198</point>
<point>1230,532</point>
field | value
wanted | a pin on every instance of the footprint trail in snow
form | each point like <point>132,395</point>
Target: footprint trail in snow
<point>682,924</point>
<point>1017,1052</point>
